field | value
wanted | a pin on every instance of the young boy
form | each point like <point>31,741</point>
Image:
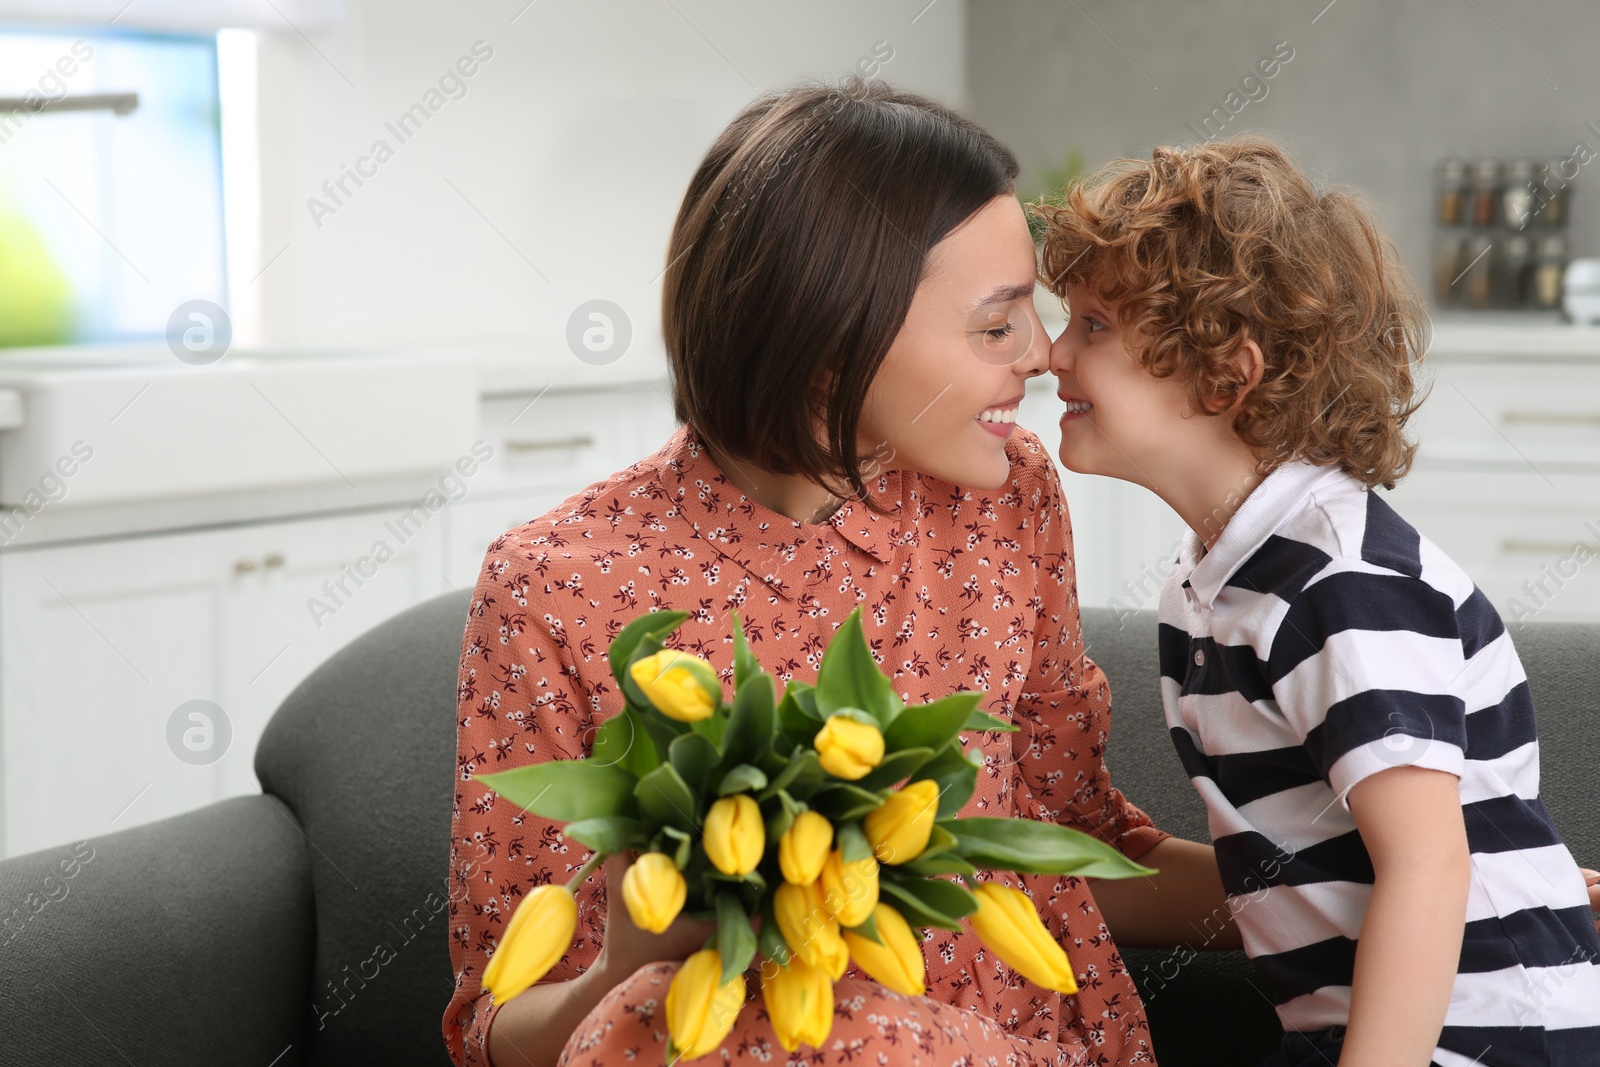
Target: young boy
<point>1344,698</point>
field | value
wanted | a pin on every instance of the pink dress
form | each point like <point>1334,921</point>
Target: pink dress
<point>961,589</point>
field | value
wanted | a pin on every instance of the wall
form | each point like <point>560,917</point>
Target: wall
<point>552,181</point>
<point>1375,95</point>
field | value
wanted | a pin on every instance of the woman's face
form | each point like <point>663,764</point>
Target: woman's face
<point>945,398</point>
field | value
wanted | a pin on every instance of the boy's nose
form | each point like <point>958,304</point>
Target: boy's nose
<point>1061,353</point>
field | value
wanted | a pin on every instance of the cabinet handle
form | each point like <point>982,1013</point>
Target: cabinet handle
<point>275,559</point>
<point>527,445</point>
<point>244,566</point>
<point>1511,546</point>
<point>1554,418</point>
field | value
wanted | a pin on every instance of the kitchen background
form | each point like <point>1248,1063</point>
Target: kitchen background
<point>270,383</point>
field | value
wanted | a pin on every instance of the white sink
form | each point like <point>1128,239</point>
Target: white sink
<point>153,426</point>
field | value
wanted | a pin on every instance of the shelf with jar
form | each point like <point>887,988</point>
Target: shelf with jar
<point>1501,238</point>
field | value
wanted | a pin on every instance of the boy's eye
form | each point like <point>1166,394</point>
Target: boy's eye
<point>1094,324</point>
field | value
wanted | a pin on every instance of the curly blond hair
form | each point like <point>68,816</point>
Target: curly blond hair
<point>1203,248</point>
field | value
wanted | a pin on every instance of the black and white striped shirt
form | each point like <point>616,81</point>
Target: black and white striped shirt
<point>1322,640</point>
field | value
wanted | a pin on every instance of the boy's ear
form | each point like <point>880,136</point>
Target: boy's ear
<point>1248,365</point>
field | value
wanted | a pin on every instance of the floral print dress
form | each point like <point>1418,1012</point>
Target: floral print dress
<point>960,589</point>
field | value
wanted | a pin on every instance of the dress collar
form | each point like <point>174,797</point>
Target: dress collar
<point>1278,496</point>
<point>783,552</point>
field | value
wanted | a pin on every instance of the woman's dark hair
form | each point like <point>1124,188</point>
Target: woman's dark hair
<point>795,256</point>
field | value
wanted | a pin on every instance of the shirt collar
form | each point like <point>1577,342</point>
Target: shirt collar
<point>783,552</point>
<point>1278,496</point>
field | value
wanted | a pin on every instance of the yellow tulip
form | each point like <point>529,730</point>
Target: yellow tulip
<point>536,938</point>
<point>735,836</point>
<point>681,686</point>
<point>803,848</point>
<point>899,828</point>
<point>849,889</point>
<point>1009,925</point>
<point>799,1001</point>
<point>700,1013</point>
<point>654,891</point>
<point>897,963</point>
<point>809,928</point>
<point>847,748</point>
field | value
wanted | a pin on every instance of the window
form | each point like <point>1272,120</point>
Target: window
<point>111,209</point>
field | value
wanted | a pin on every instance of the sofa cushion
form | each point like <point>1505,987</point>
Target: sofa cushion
<point>363,752</point>
<point>183,941</point>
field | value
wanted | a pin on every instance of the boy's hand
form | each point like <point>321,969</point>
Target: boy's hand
<point>1592,880</point>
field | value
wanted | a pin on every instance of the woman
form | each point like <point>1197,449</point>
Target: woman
<point>848,313</point>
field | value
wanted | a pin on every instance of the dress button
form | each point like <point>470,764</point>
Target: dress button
<point>1199,658</point>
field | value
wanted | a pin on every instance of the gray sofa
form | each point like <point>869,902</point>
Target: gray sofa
<point>308,925</point>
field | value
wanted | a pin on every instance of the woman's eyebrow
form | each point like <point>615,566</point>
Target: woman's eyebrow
<point>1005,294</point>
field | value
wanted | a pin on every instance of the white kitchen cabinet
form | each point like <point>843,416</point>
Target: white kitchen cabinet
<point>101,641</point>
<point>103,638</point>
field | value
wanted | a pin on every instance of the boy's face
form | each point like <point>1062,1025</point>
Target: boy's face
<point>1121,421</point>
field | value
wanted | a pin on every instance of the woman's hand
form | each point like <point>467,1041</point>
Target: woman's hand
<point>531,1028</point>
<point>626,947</point>
<point>1592,880</point>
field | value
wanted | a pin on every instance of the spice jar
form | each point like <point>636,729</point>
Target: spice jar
<point>1552,191</point>
<point>1552,264</point>
<point>1478,274</point>
<point>1447,263</point>
<point>1452,192</point>
<point>1485,192</point>
<point>1516,199</point>
<point>1514,272</point>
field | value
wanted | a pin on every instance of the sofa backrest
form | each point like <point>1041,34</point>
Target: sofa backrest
<point>1562,661</point>
<point>363,751</point>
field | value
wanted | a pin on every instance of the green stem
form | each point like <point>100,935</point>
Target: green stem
<point>584,872</point>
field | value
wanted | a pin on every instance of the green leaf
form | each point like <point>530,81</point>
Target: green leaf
<point>608,834</point>
<point>868,930</point>
<point>779,820</point>
<point>928,901</point>
<point>939,840</point>
<point>744,778</point>
<point>745,666</point>
<point>657,623</point>
<point>895,766</point>
<point>955,772</point>
<point>662,730</point>
<point>850,678</point>
<point>736,940</point>
<point>805,695</point>
<point>1029,846</point>
<point>750,722</point>
<point>931,725</point>
<point>770,940</point>
<point>852,843</point>
<point>800,779</point>
<point>566,790</point>
<point>841,802</point>
<point>982,720</point>
<point>714,881</point>
<point>712,728</point>
<point>947,862</point>
<point>681,844</point>
<point>623,742</point>
<point>794,727</point>
<point>693,757</point>
<point>666,800</point>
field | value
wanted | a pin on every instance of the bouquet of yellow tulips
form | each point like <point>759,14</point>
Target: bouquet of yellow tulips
<point>828,813</point>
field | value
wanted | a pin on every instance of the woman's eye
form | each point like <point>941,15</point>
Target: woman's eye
<point>1000,333</point>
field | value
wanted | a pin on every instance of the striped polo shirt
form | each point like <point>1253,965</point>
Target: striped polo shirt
<point>1322,640</point>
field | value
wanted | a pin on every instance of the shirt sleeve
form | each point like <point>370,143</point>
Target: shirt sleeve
<point>1063,711</point>
<point>1368,668</point>
<point>517,701</point>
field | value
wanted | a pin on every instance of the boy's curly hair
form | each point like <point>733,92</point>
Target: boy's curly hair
<point>1208,246</point>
